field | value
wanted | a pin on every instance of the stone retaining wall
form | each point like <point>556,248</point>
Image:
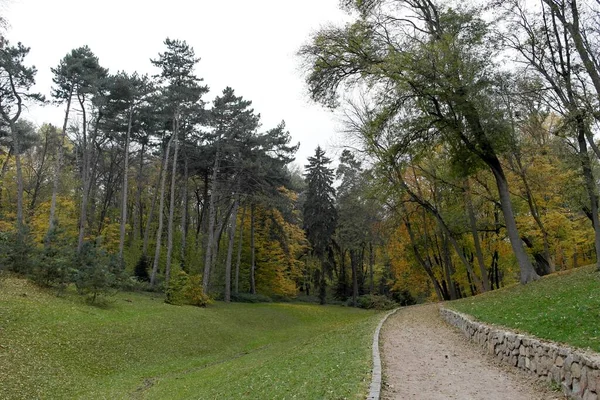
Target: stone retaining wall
<point>576,371</point>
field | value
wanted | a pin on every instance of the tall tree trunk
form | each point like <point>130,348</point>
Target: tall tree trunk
<point>232,227</point>
<point>39,174</point>
<point>160,213</point>
<point>58,166</point>
<point>138,228</point>
<point>527,272</point>
<point>211,224</point>
<point>17,147</point>
<point>184,213</point>
<point>84,177</point>
<point>252,252</point>
<point>172,201</point>
<point>590,184</point>
<point>371,267</point>
<point>236,286</point>
<point>125,186</point>
<point>152,208</point>
<point>475,234</point>
<point>353,265</point>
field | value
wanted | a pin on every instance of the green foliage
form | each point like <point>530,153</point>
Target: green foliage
<point>562,307</point>
<point>54,262</point>
<point>403,297</point>
<point>16,251</point>
<point>250,298</point>
<point>96,272</point>
<point>186,290</point>
<point>375,302</point>
<point>141,269</point>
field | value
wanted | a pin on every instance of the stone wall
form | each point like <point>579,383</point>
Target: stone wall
<point>577,372</point>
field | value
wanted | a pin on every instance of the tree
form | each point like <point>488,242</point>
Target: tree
<point>320,216</point>
<point>429,69</point>
<point>16,81</point>
<point>233,122</point>
<point>182,91</point>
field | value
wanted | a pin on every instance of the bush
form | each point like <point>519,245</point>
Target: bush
<point>16,249</point>
<point>141,269</point>
<point>250,298</point>
<point>185,289</point>
<point>97,273</point>
<point>52,266</point>
<point>403,297</point>
<point>374,302</point>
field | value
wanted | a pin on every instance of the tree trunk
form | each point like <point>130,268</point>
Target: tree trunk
<point>138,229</point>
<point>590,184</point>
<point>84,177</point>
<point>160,213</point>
<point>184,214</point>
<point>17,148</point>
<point>252,252</point>
<point>527,272</point>
<point>236,287</point>
<point>125,187</point>
<point>172,201</point>
<point>58,166</point>
<point>211,225</point>
<point>475,234</point>
<point>371,268</point>
<point>232,227</point>
<point>39,175</point>
<point>353,265</point>
<point>152,208</point>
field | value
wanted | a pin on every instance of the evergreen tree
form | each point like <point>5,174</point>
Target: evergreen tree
<point>319,211</point>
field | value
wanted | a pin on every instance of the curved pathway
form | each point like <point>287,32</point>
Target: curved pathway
<point>426,359</point>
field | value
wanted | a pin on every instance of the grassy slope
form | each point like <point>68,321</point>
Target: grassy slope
<point>139,347</point>
<point>563,307</point>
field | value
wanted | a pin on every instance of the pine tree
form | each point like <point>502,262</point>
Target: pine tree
<point>319,211</point>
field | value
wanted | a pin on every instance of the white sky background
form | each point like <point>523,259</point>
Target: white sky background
<point>248,45</point>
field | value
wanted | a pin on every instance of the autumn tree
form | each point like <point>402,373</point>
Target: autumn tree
<point>431,67</point>
<point>16,81</point>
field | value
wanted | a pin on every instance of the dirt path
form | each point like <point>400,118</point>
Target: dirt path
<point>424,358</point>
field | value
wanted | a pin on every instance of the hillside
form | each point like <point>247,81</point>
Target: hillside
<point>562,307</point>
<point>139,347</point>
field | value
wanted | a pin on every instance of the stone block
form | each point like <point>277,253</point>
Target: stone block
<point>559,362</point>
<point>576,370</point>
<point>589,395</point>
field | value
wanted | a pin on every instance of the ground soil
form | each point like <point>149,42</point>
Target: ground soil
<point>425,358</point>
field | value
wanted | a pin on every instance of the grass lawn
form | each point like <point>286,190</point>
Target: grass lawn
<point>563,307</point>
<point>137,347</point>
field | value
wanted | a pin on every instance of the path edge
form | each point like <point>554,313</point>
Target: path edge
<point>376,379</point>
<point>576,371</point>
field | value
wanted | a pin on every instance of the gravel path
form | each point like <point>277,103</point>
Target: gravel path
<point>426,359</point>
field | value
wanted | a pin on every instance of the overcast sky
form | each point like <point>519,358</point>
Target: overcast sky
<point>248,45</point>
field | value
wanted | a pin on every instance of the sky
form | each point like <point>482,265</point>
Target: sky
<point>248,45</point>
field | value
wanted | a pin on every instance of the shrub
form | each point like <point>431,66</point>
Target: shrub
<point>250,298</point>
<point>16,249</point>
<point>185,289</point>
<point>52,266</point>
<point>403,297</point>
<point>97,273</point>
<point>141,269</point>
<point>374,302</point>
<point>194,294</point>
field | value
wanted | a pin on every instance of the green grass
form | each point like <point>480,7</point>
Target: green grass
<point>563,307</point>
<point>137,347</point>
